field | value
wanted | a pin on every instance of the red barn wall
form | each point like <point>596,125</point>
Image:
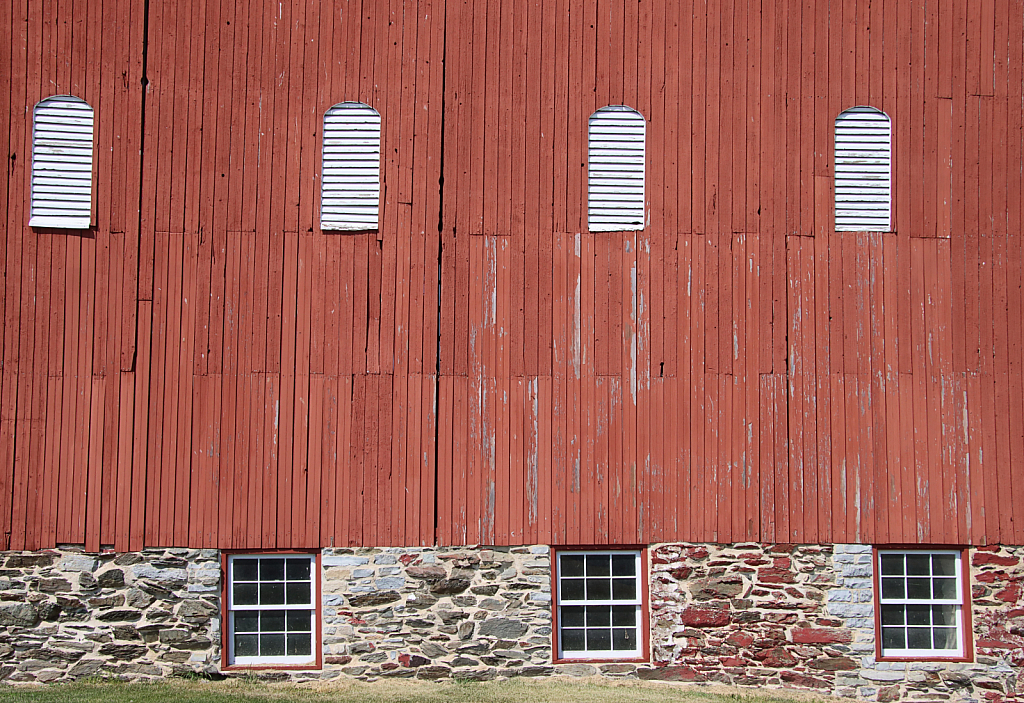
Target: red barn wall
<point>206,367</point>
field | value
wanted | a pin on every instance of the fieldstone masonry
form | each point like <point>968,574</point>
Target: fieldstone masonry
<point>742,614</point>
<point>66,615</point>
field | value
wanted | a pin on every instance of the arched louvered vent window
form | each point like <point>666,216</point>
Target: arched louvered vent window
<point>863,170</point>
<point>62,128</point>
<point>350,191</point>
<point>615,196</point>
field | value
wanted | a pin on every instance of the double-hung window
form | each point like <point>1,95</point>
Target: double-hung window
<point>921,601</point>
<point>599,606</point>
<point>272,610</point>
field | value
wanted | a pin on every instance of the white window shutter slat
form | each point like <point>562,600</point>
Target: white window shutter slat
<point>62,154</point>
<point>863,171</point>
<point>350,178</point>
<point>616,161</point>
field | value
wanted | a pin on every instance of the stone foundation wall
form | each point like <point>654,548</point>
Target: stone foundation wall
<point>745,614</point>
<point>66,615</point>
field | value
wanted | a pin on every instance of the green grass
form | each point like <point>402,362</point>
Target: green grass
<point>390,691</point>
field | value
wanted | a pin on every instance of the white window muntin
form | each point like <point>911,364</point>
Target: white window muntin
<point>272,609</point>
<point>599,596</point>
<point>863,170</point>
<point>62,160</point>
<point>617,158</point>
<point>921,603</point>
<point>350,179</point>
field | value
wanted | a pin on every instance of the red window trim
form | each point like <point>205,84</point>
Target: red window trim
<point>965,609</point>
<point>225,615</point>
<point>645,624</point>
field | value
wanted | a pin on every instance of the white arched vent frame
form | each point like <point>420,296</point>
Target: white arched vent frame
<point>863,170</point>
<point>63,128</point>
<point>350,168</point>
<point>616,169</point>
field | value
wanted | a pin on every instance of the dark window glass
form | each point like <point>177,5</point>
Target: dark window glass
<point>599,640</point>
<point>572,616</point>
<point>944,614</point>
<point>919,588</point>
<point>246,594</point>
<point>919,615</point>
<point>892,615</point>
<point>894,638</point>
<point>299,621</point>
<point>623,565</point>
<point>599,589</point>
<point>919,638</point>
<point>572,564</point>
<point>247,645</point>
<point>599,615</point>
<point>624,615</point>
<point>574,640</point>
<point>623,639</point>
<point>598,565</point>
<point>298,569</point>
<point>247,620</point>
<point>298,593</point>
<point>945,637</point>
<point>944,564</point>
<point>299,645</point>
<point>246,569</point>
<point>272,645</point>
<point>572,589</point>
<point>272,620</point>
<point>272,593</point>
<point>272,569</point>
<point>892,564</point>
<point>624,589</point>
<point>919,564</point>
<point>944,588</point>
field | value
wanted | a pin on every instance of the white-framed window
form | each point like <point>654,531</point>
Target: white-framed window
<point>62,149</point>
<point>921,599</point>
<point>350,179</point>
<point>271,617</point>
<point>617,161</point>
<point>863,170</point>
<point>599,604</point>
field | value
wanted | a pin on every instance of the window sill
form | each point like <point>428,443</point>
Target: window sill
<point>959,659</point>
<point>312,666</point>
<point>600,661</point>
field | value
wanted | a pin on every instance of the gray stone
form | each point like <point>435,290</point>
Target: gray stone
<point>375,658</point>
<point>28,561</point>
<point>175,578</point>
<point>390,582</point>
<point>119,616</point>
<point>86,581</point>
<point>53,585</point>
<point>502,628</point>
<point>428,573</point>
<point>18,614</point>
<point>122,651</point>
<point>577,670</point>
<point>196,609</point>
<point>114,578</point>
<point>138,599</point>
<point>345,561</point>
<point>48,610</point>
<point>373,599</point>
<point>466,629</point>
<point>77,562</point>
<point>433,672</point>
<point>449,586</point>
<point>86,667</point>
<point>479,675</point>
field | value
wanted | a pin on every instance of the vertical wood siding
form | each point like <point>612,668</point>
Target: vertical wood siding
<point>206,366</point>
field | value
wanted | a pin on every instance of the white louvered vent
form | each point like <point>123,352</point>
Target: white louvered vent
<point>62,128</point>
<point>863,170</point>
<point>350,192</point>
<point>615,196</point>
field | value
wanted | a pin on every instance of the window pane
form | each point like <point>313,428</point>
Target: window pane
<point>599,640</point>
<point>919,564</point>
<point>598,565</point>
<point>919,588</point>
<point>298,569</point>
<point>299,621</point>
<point>599,615</point>
<point>893,638</point>
<point>299,645</point>
<point>247,620</point>
<point>944,614</point>
<point>919,615</point>
<point>272,621</point>
<point>944,588</point>
<point>892,614</point>
<point>574,640</point>
<point>245,569</point>
<point>572,615</point>
<point>892,564</point>
<point>247,645</point>
<point>944,564</point>
<point>624,589</point>
<point>272,645</point>
<point>272,570</point>
<point>623,639</point>
<point>599,589</point>
<point>272,593</point>
<point>624,615</point>
<point>246,594</point>
<point>298,593</point>
<point>919,638</point>
<point>893,588</point>
<point>572,589</point>
<point>572,565</point>
<point>623,565</point>
<point>945,638</point>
